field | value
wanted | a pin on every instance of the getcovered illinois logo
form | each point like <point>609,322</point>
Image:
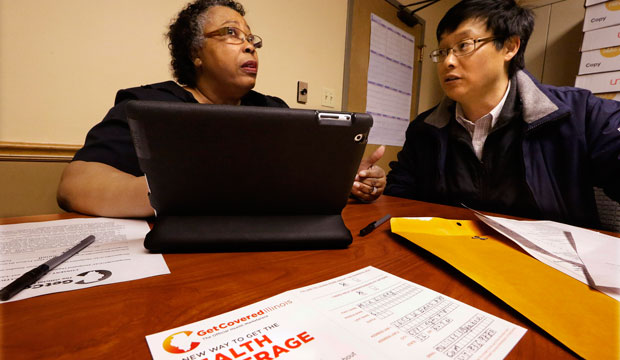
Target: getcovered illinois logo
<point>181,342</point>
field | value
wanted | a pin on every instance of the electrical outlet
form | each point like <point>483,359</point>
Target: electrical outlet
<point>302,92</point>
<point>328,98</point>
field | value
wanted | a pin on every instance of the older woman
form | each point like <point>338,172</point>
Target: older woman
<point>215,59</point>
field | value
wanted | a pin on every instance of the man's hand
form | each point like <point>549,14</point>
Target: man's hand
<point>370,179</point>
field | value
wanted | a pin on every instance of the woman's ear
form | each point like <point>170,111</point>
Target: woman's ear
<point>511,47</point>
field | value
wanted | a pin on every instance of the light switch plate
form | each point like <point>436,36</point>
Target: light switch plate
<point>302,92</point>
<point>328,98</point>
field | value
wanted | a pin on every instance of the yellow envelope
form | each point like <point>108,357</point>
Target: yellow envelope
<point>583,319</point>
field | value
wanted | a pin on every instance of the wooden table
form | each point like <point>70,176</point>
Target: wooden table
<point>111,321</point>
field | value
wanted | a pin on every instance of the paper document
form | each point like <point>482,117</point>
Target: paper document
<point>389,83</point>
<point>552,243</point>
<point>367,314</point>
<point>116,255</point>
<point>600,254</point>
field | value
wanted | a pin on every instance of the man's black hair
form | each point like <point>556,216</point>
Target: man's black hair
<point>503,17</point>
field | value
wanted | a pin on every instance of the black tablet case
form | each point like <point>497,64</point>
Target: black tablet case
<point>241,178</point>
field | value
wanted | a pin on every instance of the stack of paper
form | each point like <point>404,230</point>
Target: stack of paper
<point>116,255</point>
<point>588,256</point>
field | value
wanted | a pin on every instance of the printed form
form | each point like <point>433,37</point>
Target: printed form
<point>116,255</point>
<point>390,78</point>
<point>556,245</point>
<point>367,314</point>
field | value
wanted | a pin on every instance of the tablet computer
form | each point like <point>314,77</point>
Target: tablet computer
<point>246,178</point>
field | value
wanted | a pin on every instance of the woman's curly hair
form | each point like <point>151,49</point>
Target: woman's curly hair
<point>185,37</point>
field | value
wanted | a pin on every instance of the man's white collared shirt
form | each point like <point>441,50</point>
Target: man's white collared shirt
<point>479,130</point>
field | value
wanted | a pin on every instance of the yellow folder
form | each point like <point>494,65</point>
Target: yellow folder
<point>585,320</point>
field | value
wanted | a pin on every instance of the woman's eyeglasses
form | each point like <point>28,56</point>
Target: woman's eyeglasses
<point>233,35</point>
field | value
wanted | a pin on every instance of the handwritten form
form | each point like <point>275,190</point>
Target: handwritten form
<point>390,77</point>
<point>367,314</point>
<point>116,255</point>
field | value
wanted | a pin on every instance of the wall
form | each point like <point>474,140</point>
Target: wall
<point>430,90</point>
<point>62,61</point>
<point>553,53</point>
<point>29,188</point>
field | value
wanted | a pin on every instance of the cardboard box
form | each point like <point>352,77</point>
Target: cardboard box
<point>602,15</point>
<point>601,38</point>
<point>610,96</point>
<point>601,60</point>
<point>594,2</point>
<point>599,83</point>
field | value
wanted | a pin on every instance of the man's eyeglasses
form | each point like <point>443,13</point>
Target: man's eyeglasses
<point>461,48</point>
<point>232,35</point>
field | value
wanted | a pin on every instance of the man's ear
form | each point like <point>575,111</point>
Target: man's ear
<point>511,47</point>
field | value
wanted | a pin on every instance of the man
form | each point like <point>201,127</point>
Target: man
<point>499,140</point>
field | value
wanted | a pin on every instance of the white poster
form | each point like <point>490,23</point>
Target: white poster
<point>390,78</point>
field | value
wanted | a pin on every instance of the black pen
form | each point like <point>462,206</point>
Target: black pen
<point>373,225</point>
<point>35,274</point>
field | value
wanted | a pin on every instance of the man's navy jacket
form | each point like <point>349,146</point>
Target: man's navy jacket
<point>571,144</point>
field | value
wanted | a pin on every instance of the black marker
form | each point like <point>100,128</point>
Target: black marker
<point>373,225</point>
<point>35,274</point>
